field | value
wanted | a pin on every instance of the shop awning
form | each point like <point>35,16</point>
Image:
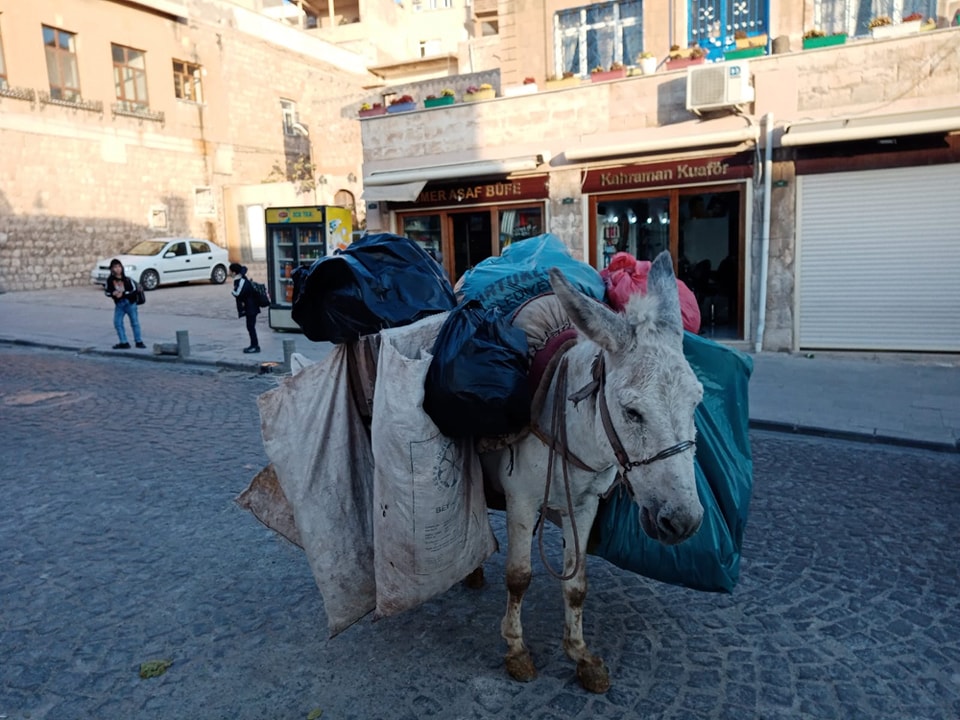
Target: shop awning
<point>640,145</point>
<point>399,192</point>
<point>871,127</point>
<point>454,171</point>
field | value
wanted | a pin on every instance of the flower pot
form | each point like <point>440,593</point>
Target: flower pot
<point>930,25</point>
<point>439,101</point>
<point>485,94</point>
<point>648,66</point>
<point>827,41</point>
<point>561,83</point>
<point>372,112</point>
<point>607,75</point>
<point>525,89</point>
<point>751,42</point>
<point>682,62</point>
<point>897,30</point>
<point>401,107</point>
<point>745,53</point>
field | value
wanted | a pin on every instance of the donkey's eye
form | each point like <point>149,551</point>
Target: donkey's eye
<point>634,415</point>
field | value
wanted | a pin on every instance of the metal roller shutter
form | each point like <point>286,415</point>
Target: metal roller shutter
<point>879,259</point>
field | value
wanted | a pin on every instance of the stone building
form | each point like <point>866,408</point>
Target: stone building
<point>807,194</point>
<point>126,120</point>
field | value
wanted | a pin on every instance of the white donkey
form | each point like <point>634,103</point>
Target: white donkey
<point>620,407</point>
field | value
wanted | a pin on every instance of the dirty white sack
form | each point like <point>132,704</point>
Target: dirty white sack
<point>430,525</point>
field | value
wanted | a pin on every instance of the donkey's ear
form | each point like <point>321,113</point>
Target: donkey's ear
<point>605,327</point>
<point>662,285</point>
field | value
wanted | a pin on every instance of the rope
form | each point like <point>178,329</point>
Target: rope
<point>558,429</point>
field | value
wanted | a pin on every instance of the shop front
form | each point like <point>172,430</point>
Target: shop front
<point>698,210</point>
<point>878,237</point>
<point>460,224</point>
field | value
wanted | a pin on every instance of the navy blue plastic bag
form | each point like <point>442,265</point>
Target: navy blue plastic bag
<point>477,383</point>
<point>710,560</point>
<point>380,281</point>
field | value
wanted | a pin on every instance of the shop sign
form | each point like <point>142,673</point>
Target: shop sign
<point>295,215</point>
<point>498,191</point>
<point>676,172</point>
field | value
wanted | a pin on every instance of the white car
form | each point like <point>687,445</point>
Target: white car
<point>162,261</point>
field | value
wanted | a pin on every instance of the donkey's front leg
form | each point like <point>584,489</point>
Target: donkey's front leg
<point>591,671</point>
<point>520,524</point>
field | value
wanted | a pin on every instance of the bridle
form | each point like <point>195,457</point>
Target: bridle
<point>557,444</point>
<point>596,387</point>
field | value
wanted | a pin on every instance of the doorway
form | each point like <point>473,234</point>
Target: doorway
<point>472,234</point>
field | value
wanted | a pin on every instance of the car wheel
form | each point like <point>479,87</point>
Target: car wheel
<point>219,275</point>
<point>150,279</point>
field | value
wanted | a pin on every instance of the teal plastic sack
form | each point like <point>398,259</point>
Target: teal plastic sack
<point>710,560</point>
<point>520,274</point>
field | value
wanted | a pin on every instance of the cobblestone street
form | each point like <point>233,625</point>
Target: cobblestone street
<point>120,543</point>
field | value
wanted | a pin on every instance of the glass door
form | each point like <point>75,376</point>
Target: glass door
<point>284,251</point>
<point>472,240</point>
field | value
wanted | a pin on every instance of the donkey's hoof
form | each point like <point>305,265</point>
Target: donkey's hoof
<point>593,675</point>
<point>475,580</point>
<point>521,667</point>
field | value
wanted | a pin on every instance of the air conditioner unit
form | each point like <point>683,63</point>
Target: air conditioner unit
<point>715,86</point>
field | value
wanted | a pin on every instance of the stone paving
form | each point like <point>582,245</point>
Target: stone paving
<point>120,542</point>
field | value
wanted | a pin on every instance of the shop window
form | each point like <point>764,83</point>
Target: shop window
<point>853,16</point>
<point>186,81</point>
<point>130,77</point>
<point>60,48</point>
<point>425,231</point>
<point>519,224</point>
<point>598,35</point>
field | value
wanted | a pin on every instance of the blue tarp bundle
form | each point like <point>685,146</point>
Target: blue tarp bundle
<point>710,560</point>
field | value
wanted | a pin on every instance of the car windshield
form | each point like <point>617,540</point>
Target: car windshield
<point>147,247</point>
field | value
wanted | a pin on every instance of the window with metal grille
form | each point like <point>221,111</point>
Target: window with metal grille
<point>3,68</point>
<point>598,35</point>
<point>186,81</point>
<point>130,77</point>
<point>853,16</point>
<point>290,116</point>
<point>60,48</point>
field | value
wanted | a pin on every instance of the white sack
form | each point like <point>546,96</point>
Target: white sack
<point>430,525</point>
<point>316,440</point>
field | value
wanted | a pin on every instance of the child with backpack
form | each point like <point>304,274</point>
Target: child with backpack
<point>248,303</point>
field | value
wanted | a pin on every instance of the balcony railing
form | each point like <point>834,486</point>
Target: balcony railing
<point>76,103</point>
<point>141,112</point>
<point>17,93</point>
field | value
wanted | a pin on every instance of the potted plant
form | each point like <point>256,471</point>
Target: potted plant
<point>368,110</point>
<point>647,62</point>
<point>883,27</point>
<point>748,51</point>
<point>679,59</point>
<point>447,97</point>
<point>615,72</point>
<point>529,87</point>
<point>402,103</point>
<point>481,92</point>
<point>743,41</point>
<point>816,38</point>
<point>566,80</point>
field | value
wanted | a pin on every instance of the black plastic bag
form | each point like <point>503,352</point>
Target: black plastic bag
<point>380,281</point>
<point>477,382</point>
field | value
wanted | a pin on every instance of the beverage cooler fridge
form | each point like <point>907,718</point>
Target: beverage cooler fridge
<point>298,237</point>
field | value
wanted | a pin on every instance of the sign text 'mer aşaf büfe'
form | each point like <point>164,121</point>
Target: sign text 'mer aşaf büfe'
<point>473,192</point>
<point>681,171</point>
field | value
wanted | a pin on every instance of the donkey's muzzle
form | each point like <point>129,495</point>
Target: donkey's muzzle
<point>670,525</point>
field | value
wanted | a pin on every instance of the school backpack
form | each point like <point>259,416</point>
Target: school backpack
<point>263,295</point>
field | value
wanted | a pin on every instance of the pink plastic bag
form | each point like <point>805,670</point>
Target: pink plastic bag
<point>625,275</point>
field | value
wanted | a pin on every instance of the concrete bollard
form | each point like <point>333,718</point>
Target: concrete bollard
<point>289,348</point>
<point>183,343</point>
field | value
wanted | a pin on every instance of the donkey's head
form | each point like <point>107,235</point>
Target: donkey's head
<point>651,394</point>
